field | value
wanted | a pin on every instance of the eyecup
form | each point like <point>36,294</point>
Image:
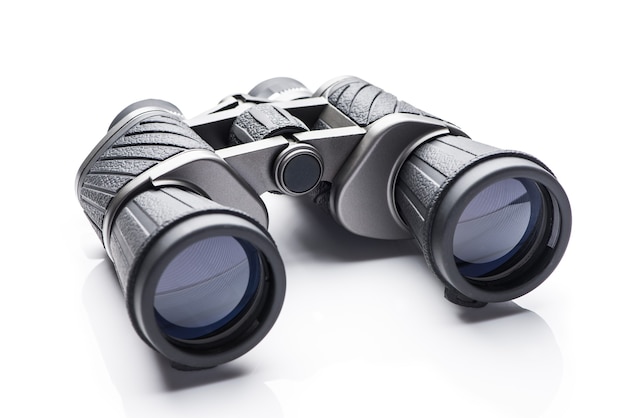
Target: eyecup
<point>145,103</point>
<point>281,89</point>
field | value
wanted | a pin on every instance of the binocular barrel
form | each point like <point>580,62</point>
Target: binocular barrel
<point>492,224</point>
<point>203,282</point>
<point>176,205</point>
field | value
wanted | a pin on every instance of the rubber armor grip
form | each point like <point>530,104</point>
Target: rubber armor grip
<point>426,173</point>
<point>365,103</point>
<point>143,145</point>
<point>264,121</point>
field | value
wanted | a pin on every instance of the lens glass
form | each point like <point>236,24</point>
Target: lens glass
<point>206,286</point>
<point>497,227</point>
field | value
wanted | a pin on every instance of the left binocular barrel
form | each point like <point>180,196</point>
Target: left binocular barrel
<point>203,283</point>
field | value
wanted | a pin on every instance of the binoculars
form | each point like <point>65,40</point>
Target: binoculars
<point>176,205</point>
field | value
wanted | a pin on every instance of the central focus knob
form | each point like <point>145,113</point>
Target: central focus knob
<point>298,169</point>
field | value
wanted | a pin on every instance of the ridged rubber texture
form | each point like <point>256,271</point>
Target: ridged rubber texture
<point>144,145</point>
<point>264,121</point>
<point>144,217</point>
<point>426,173</point>
<point>365,103</point>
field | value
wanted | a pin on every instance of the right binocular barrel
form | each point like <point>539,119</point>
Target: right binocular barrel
<point>492,224</point>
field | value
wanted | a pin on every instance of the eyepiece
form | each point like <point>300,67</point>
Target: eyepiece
<point>162,104</point>
<point>280,89</point>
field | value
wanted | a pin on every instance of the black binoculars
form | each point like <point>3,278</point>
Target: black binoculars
<point>176,204</point>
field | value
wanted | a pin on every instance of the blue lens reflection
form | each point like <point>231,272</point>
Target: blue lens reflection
<point>206,286</point>
<point>496,226</point>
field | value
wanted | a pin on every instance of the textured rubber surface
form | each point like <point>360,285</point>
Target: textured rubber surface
<point>144,145</point>
<point>264,121</point>
<point>144,217</point>
<point>365,103</point>
<point>426,173</point>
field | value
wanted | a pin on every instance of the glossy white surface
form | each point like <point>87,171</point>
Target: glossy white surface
<point>365,330</point>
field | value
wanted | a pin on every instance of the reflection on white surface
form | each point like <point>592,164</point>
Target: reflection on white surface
<point>148,385</point>
<point>357,336</point>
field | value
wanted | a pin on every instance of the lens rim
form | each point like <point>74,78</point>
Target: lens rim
<point>537,264</point>
<point>243,332</point>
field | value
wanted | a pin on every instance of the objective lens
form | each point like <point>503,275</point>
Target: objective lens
<point>497,228</point>
<point>207,285</point>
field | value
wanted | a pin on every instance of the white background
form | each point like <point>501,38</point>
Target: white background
<point>365,330</point>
